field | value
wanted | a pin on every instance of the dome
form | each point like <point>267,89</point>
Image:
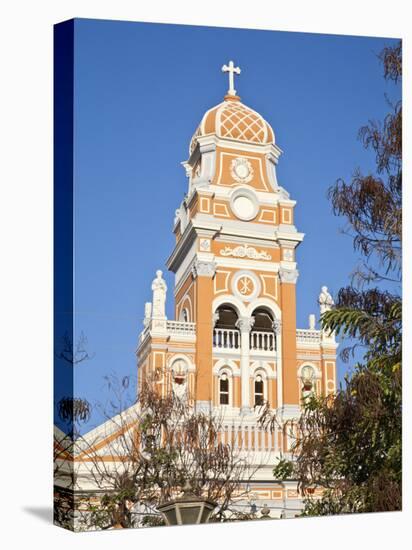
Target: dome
<point>232,119</point>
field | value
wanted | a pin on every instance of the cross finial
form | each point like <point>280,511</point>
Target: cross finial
<point>231,69</point>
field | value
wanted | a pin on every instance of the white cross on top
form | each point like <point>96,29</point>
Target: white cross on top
<point>231,69</point>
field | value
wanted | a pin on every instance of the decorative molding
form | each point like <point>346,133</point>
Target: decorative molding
<point>262,366</point>
<point>204,245</point>
<point>288,254</point>
<point>250,285</point>
<point>277,326</point>
<point>245,324</point>
<point>309,371</point>
<point>202,268</point>
<point>288,275</point>
<point>241,170</point>
<point>250,197</point>
<point>244,251</point>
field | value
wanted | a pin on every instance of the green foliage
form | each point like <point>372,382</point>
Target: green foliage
<point>284,469</point>
<point>350,444</point>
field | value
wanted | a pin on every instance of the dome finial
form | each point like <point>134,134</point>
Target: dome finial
<point>232,70</point>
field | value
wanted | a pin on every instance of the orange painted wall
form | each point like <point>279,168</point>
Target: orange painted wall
<point>204,328</point>
<point>290,382</point>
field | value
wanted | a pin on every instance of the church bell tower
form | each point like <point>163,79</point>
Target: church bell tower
<point>234,342</point>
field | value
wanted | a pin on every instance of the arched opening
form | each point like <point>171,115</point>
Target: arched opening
<point>262,336</point>
<point>224,389</point>
<point>259,390</point>
<point>226,333</point>
<point>184,315</point>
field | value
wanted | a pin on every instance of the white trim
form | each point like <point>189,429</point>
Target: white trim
<point>265,302</point>
<point>231,300</point>
<point>180,357</point>
<point>222,363</point>
<point>221,272</point>
<point>182,300</point>
<point>243,191</point>
<point>250,275</point>
<point>270,276</point>
<point>263,366</point>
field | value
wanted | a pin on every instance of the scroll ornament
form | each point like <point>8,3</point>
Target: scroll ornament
<point>244,251</point>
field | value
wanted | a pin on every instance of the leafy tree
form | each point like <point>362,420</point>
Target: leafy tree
<point>349,444</point>
<point>152,449</point>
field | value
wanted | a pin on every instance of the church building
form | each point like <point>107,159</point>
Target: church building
<point>234,344</point>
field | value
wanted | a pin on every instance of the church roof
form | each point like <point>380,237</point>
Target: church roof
<point>232,119</point>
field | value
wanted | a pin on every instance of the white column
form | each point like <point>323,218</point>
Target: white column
<point>277,328</point>
<point>245,325</point>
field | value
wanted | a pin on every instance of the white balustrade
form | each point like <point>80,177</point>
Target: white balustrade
<point>308,336</point>
<point>262,341</point>
<point>226,338</point>
<point>181,327</point>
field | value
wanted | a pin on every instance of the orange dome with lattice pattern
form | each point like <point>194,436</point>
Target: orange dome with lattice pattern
<point>233,120</point>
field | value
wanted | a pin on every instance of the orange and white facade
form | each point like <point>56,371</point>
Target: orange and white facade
<point>234,343</point>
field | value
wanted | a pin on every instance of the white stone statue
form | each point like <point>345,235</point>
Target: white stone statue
<point>325,300</point>
<point>159,296</point>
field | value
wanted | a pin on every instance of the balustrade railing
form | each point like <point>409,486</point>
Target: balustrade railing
<point>250,438</point>
<point>226,338</point>
<point>308,336</point>
<point>262,341</point>
<point>181,327</point>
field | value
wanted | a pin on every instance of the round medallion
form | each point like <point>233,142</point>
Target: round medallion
<point>244,204</point>
<point>243,207</point>
<point>245,285</point>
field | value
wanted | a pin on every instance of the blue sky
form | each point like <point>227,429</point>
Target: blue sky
<point>140,91</point>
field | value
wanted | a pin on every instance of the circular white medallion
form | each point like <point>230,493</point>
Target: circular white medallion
<point>244,204</point>
<point>243,207</point>
<point>245,285</point>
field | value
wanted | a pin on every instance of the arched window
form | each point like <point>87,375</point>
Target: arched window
<point>263,320</point>
<point>184,315</point>
<point>227,317</point>
<point>224,389</point>
<point>226,334</point>
<point>259,390</point>
<point>262,336</point>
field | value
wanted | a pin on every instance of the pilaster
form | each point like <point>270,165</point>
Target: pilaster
<point>203,272</point>
<point>245,325</point>
<point>290,390</point>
